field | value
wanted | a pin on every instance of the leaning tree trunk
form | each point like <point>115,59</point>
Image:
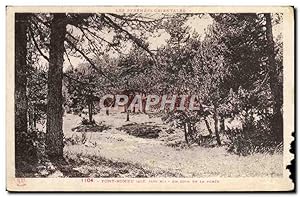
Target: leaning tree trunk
<point>24,149</point>
<point>207,126</point>
<point>54,137</point>
<point>276,87</point>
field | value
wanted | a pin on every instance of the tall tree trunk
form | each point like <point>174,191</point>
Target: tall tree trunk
<point>54,137</point>
<point>222,125</point>
<point>144,99</point>
<point>90,105</point>
<point>216,125</point>
<point>126,107</point>
<point>127,115</point>
<point>24,149</point>
<point>190,130</point>
<point>276,87</point>
<point>34,116</point>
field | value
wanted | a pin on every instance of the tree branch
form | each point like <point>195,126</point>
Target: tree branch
<point>69,59</point>
<point>47,24</point>
<point>102,39</point>
<point>87,58</point>
<point>36,45</point>
<point>137,41</point>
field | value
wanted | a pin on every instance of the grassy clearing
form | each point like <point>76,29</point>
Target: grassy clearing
<point>118,154</point>
<point>193,162</point>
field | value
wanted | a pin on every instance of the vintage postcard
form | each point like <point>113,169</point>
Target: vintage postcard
<point>145,98</point>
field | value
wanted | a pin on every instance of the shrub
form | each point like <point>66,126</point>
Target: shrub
<point>141,130</point>
<point>254,137</point>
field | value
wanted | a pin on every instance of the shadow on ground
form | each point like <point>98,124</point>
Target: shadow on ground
<point>91,166</point>
<point>142,130</point>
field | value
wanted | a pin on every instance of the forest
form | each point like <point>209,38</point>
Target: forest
<point>66,62</point>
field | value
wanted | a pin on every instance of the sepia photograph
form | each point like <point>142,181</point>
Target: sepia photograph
<point>150,98</point>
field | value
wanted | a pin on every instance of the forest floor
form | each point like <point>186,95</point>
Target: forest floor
<point>117,151</point>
